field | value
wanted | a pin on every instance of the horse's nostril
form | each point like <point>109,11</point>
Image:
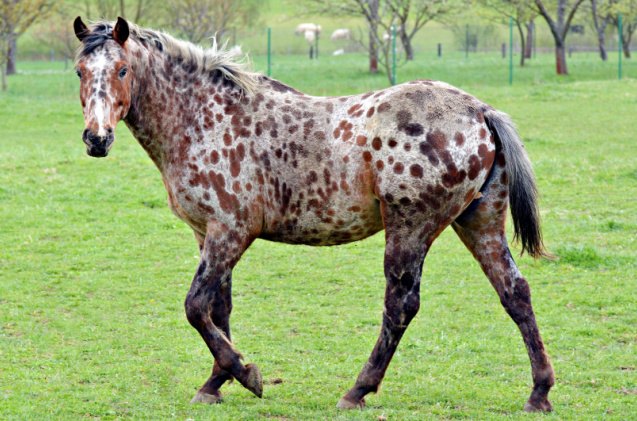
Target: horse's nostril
<point>109,131</point>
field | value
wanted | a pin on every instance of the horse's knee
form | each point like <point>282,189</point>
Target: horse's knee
<point>401,309</point>
<point>411,305</point>
<point>195,310</point>
<point>403,299</point>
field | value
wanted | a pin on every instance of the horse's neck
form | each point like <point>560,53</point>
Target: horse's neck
<point>162,104</point>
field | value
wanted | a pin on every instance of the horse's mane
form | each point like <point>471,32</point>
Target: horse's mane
<point>232,65</point>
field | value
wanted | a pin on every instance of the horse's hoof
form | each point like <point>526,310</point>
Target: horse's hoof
<point>202,397</point>
<point>538,406</point>
<point>347,404</point>
<point>254,381</point>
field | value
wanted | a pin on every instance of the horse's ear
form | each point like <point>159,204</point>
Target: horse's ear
<point>81,31</point>
<point>121,32</point>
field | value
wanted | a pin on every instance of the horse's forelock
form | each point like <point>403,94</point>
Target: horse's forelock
<point>98,35</point>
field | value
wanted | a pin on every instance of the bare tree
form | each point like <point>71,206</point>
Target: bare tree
<point>628,11</point>
<point>200,19</point>
<point>5,31</point>
<point>17,17</point>
<point>56,32</point>
<point>522,16</point>
<point>369,9</point>
<point>412,15</point>
<point>138,11</point>
<point>600,9</point>
<point>407,16</point>
<point>559,25</point>
<point>530,37</point>
<point>373,17</point>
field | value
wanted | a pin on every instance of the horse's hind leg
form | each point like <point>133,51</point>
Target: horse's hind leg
<point>405,251</point>
<point>208,307</point>
<point>482,229</point>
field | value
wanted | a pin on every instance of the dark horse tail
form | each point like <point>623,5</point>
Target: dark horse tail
<point>523,194</point>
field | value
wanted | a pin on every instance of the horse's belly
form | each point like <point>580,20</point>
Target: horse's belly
<point>334,223</point>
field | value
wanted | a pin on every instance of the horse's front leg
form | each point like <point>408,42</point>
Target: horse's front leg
<point>208,307</point>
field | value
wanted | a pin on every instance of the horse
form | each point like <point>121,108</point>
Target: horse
<point>244,156</point>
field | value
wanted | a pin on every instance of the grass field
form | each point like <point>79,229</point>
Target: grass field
<point>94,269</point>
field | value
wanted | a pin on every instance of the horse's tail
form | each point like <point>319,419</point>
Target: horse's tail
<point>523,194</point>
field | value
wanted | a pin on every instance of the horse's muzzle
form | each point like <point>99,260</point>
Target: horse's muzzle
<point>98,146</point>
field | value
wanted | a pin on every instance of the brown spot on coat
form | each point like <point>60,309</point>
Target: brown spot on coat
<point>384,107</point>
<point>416,171</point>
<point>459,138</point>
<point>474,167</point>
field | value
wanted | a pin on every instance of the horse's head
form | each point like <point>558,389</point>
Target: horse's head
<point>105,81</point>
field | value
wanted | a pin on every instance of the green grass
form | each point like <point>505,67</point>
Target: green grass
<point>94,269</point>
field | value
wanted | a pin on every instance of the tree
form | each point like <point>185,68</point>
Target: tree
<point>628,10</point>
<point>56,32</point>
<point>408,17</point>
<point>197,20</point>
<point>17,16</point>
<point>370,10</point>
<point>5,31</point>
<point>600,9</point>
<point>417,13</point>
<point>559,26</point>
<point>372,21</point>
<point>522,16</point>
<point>137,11</point>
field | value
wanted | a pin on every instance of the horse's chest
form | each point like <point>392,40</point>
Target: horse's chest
<point>186,205</point>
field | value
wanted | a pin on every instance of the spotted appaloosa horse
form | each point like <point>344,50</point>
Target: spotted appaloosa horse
<point>243,157</point>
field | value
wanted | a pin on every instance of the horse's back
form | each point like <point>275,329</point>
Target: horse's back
<point>423,146</point>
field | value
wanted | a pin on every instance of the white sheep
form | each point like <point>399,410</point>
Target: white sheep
<point>340,34</point>
<point>302,28</point>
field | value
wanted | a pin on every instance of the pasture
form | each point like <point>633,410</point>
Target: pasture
<point>94,270</point>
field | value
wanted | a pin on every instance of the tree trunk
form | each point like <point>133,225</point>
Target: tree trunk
<point>406,41</point>
<point>3,76</point>
<point>600,28</point>
<point>373,32</point>
<point>11,53</point>
<point>530,35</point>
<point>626,48</point>
<point>560,59</point>
<point>559,28</point>
<point>601,41</point>
<point>522,43</point>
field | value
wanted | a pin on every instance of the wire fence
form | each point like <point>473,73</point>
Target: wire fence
<point>443,43</point>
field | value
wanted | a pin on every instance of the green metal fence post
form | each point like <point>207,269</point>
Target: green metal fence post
<point>269,52</point>
<point>620,51</point>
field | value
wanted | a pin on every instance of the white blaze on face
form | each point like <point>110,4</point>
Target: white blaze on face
<point>100,67</point>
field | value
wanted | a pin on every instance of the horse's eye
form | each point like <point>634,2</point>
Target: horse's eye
<point>78,73</point>
<point>123,72</point>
